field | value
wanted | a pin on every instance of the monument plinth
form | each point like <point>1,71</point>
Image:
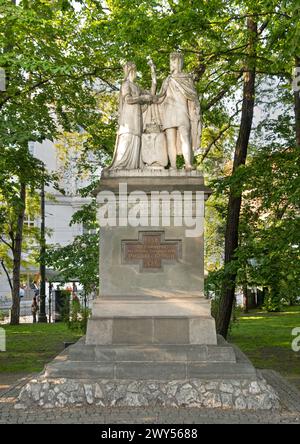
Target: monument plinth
<point>151,339</point>
<point>152,276</point>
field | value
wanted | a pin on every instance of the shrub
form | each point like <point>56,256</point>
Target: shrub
<point>79,317</point>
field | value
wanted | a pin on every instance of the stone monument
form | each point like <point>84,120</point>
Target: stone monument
<point>151,339</point>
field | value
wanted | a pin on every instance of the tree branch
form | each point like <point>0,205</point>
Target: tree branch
<point>45,81</point>
<point>223,131</point>
<point>6,243</point>
<point>12,237</point>
<point>7,274</point>
<point>221,94</point>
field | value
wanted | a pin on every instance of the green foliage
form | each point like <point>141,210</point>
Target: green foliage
<point>65,305</point>
<point>269,253</point>
<point>213,288</point>
<point>79,317</point>
<point>78,261</point>
<point>51,57</point>
<point>273,302</point>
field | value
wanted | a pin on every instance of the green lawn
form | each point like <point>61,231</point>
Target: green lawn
<point>31,346</point>
<point>266,339</point>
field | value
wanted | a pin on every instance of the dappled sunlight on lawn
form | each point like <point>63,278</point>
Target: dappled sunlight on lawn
<point>30,347</point>
<point>266,338</point>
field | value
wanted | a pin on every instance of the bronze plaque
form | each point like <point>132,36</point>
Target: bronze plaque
<point>151,250</point>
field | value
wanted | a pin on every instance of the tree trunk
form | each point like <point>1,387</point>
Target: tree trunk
<point>297,107</point>
<point>245,297</point>
<point>235,198</point>
<point>17,253</point>
<point>42,312</point>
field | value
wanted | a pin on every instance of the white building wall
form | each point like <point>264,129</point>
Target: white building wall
<point>59,208</point>
<point>4,287</point>
<point>58,218</point>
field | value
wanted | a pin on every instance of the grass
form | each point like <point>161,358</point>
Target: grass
<point>266,338</point>
<point>30,346</point>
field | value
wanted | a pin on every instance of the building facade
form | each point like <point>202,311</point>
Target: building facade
<point>59,208</point>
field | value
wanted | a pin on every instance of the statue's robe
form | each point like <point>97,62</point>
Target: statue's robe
<point>127,153</point>
<point>180,107</point>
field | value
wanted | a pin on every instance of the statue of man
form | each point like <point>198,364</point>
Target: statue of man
<point>180,112</point>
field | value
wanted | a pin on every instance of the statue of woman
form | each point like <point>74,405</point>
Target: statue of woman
<point>127,155</point>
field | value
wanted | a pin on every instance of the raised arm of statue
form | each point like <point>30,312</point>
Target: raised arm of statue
<point>153,76</point>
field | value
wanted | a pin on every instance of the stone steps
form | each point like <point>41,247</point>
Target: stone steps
<point>161,362</point>
<point>160,353</point>
<point>149,370</point>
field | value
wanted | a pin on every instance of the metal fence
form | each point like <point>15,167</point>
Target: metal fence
<point>25,307</point>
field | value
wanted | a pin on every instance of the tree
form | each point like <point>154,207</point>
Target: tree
<point>275,67</point>
<point>50,55</point>
<point>235,196</point>
<point>270,217</point>
<point>14,172</point>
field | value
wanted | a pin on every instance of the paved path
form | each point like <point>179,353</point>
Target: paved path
<point>289,414</point>
<point>9,380</point>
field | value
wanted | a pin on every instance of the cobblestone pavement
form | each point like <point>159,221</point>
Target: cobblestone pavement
<point>8,380</point>
<point>289,414</point>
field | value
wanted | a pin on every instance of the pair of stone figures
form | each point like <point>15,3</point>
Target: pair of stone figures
<point>155,128</point>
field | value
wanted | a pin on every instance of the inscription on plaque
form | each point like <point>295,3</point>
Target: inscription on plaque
<point>151,251</point>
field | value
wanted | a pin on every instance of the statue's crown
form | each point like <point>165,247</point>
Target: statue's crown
<point>176,56</point>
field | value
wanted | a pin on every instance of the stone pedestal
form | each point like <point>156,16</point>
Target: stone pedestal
<point>151,339</point>
<point>152,276</point>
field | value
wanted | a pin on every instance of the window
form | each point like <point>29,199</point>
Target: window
<point>31,148</point>
<point>29,221</point>
<point>87,230</point>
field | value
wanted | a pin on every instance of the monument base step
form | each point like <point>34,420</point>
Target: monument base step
<point>170,375</point>
<point>148,370</point>
<point>140,321</point>
<point>146,362</point>
<point>148,330</point>
<point>151,353</point>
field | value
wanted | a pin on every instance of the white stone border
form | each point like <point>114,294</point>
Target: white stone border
<point>248,394</point>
